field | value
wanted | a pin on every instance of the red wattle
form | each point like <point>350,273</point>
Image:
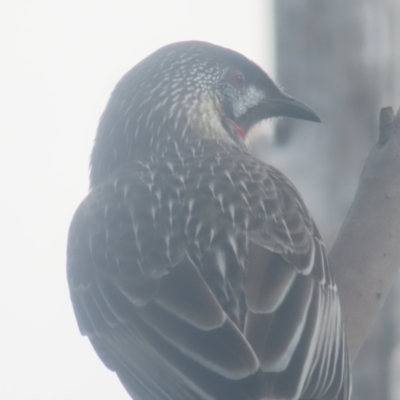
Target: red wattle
<point>238,129</point>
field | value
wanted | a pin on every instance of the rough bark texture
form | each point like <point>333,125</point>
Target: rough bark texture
<point>342,58</point>
<point>366,253</point>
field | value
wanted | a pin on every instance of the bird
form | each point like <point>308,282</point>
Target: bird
<point>194,268</point>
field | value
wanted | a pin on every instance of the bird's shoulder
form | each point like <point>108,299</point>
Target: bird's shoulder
<point>208,242</point>
<point>189,194</point>
<point>207,201</point>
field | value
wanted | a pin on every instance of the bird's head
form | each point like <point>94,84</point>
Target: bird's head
<point>183,91</point>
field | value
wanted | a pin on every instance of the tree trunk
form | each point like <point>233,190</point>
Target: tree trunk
<point>342,59</point>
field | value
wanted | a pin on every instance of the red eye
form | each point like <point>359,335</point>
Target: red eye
<point>236,78</point>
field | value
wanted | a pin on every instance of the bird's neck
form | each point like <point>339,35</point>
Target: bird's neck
<point>110,154</point>
<point>123,138</point>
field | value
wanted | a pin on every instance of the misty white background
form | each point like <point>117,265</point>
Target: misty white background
<point>59,61</point>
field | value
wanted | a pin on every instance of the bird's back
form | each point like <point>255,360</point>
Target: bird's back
<point>197,273</point>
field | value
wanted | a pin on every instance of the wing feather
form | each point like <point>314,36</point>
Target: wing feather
<point>184,293</point>
<point>269,278</point>
<point>217,287</point>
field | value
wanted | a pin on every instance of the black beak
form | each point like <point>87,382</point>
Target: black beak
<point>287,106</point>
<point>281,105</point>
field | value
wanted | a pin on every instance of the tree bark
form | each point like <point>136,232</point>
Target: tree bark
<point>365,257</point>
<point>342,58</point>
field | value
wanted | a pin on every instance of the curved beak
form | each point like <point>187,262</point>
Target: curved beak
<point>287,106</point>
<point>280,105</point>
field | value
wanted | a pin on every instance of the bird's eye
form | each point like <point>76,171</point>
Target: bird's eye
<point>236,78</point>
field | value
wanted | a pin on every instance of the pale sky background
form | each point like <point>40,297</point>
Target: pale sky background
<point>59,61</point>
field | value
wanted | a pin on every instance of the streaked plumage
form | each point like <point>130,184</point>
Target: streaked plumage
<point>194,268</point>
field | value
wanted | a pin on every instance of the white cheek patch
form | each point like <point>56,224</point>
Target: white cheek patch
<point>206,117</point>
<point>250,98</point>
